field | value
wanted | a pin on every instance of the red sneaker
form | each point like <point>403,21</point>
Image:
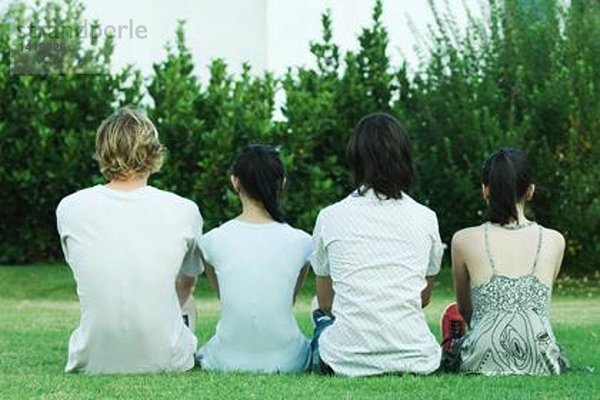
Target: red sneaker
<point>453,326</point>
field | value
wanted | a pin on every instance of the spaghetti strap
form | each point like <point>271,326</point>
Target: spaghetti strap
<point>539,248</point>
<point>486,228</point>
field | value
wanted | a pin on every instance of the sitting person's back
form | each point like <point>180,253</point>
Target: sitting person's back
<point>127,248</point>
<point>504,271</point>
<point>378,254</point>
<point>257,267</point>
<point>257,263</point>
<point>373,252</point>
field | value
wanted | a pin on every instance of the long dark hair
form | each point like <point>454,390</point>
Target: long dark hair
<point>508,175</point>
<point>261,173</point>
<point>379,156</point>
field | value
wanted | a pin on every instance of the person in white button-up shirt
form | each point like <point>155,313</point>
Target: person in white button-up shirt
<point>374,252</point>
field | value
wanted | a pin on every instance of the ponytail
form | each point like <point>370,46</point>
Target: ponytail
<point>261,173</point>
<point>507,175</point>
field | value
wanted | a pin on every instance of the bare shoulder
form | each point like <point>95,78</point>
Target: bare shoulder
<point>554,237</point>
<point>466,235</point>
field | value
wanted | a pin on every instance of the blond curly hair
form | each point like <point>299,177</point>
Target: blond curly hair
<point>127,145</point>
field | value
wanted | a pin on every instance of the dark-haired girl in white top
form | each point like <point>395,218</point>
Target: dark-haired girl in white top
<point>503,274</point>
<point>257,264</point>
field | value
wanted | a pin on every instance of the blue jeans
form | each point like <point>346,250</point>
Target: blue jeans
<point>322,321</point>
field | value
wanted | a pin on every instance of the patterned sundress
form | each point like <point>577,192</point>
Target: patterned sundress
<point>510,332</point>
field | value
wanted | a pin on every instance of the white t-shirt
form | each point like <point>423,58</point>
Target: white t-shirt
<point>257,267</point>
<point>377,253</point>
<point>126,250</point>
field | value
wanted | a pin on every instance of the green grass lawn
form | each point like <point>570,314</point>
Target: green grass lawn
<point>38,310</point>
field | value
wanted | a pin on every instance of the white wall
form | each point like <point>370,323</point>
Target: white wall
<point>294,23</point>
<point>269,34</point>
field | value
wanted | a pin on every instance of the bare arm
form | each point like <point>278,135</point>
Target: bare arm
<point>212,277</point>
<point>460,276</point>
<point>426,293</point>
<point>561,252</point>
<point>300,280</point>
<point>184,285</point>
<point>324,293</point>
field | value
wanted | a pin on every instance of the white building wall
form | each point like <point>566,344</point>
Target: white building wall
<point>235,30</point>
<point>268,34</point>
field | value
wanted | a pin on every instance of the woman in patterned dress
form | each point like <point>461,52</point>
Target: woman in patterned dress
<point>503,274</point>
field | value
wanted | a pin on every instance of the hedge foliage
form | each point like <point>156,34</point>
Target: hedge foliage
<point>527,75</point>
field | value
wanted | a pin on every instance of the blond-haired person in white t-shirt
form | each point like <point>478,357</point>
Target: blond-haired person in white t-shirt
<point>132,249</point>
<point>375,254</point>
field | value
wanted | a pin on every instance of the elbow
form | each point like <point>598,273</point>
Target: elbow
<point>190,285</point>
<point>465,312</point>
<point>426,293</point>
<point>326,307</point>
<point>425,302</point>
<point>184,287</point>
<point>425,298</point>
<point>325,304</point>
<point>186,284</point>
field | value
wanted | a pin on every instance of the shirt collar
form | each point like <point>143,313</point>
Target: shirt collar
<point>370,194</point>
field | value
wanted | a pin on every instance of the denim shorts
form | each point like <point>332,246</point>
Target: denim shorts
<point>321,321</point>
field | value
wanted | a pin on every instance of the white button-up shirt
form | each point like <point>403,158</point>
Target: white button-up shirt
<point>378,253</point>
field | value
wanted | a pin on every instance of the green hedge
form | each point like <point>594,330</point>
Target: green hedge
<point>47,129</point>
<point>528,76</point>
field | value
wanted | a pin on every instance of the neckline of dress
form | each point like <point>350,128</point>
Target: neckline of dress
<point>512,226</point>
<point>511,278</point>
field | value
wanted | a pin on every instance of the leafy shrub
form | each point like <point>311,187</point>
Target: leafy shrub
<point>203,128</point>
<point>47,127</point>
<point>528,75</point>
<point>322,107</point>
